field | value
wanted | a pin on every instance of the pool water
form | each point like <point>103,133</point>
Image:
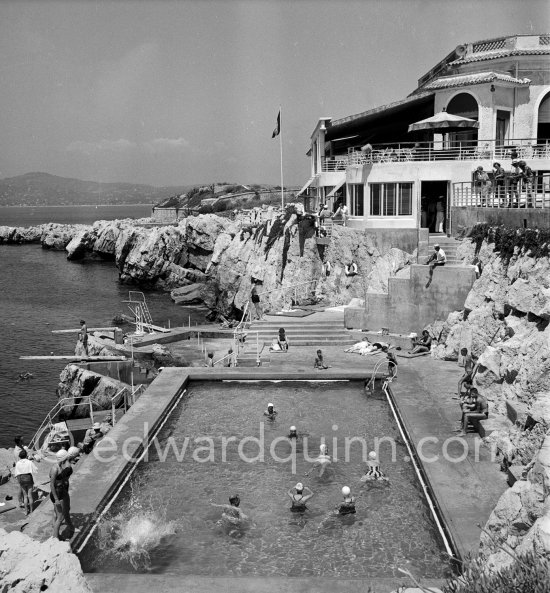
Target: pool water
<point>391,529</point>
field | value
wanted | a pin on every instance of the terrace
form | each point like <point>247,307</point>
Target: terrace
<point>464,150</point>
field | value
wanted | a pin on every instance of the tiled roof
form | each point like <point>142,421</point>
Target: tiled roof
<point>502,53</point>
<point>474,78</point>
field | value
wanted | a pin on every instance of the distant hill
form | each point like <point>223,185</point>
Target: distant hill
<point>43,189</point>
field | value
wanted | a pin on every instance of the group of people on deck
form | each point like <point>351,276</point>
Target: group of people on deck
<point>300,494</point>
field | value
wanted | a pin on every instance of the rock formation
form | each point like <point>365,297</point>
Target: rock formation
<point>210,259</point>
<point>77,383</point>
<point>505,323</point>
<point>28,566</point>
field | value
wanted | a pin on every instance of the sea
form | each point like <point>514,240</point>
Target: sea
<point>40,291</point>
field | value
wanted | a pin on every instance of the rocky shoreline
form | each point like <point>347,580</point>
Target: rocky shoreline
<point>505,322</point>
<point>211,260</point>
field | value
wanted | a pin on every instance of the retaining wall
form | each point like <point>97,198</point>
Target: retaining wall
<point>468,216</point>
<point>411,304</point>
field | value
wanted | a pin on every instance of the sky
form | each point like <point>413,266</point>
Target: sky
<point>187,92</point>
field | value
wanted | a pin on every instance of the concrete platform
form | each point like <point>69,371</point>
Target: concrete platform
<point>128,583</point>
<point>466,488</point>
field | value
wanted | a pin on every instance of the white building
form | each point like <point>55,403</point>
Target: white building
<point>382,171</point>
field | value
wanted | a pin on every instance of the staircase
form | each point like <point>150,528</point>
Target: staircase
<point>303,333</point>
<point>448,244</point>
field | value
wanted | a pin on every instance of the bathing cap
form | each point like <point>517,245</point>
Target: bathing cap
<point>292,428</point>
<point>269,405</point>
<point>346,491</point>
<point>62,454</point>
<point>73,451</point>
<point>96,426</point>
<point>299,486</point>
<point>372,455</point>
<point>323,448</point>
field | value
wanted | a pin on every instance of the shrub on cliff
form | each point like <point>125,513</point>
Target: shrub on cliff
<point>528,574</point>
<point>509,240</point>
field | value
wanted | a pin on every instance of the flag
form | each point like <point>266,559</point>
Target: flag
<point>277,129</point>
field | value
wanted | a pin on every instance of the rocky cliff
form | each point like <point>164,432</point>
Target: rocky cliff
<point>28,566</point>
<point>505,322</point>
<point>214,260</point>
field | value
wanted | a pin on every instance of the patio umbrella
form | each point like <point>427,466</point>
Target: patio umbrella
<point>443,121</point>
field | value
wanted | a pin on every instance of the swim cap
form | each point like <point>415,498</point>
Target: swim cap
<point>73,451</point>
<point>269,405</point>
<point>346,491</point>
<point>323,448</point>
<point>299,486</point>
<point>372,455</point>
<point>62,454</point>
<point>292,428</point>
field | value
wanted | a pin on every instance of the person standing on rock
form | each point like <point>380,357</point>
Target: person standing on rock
<point>255,298</point>
<point>84,335</point>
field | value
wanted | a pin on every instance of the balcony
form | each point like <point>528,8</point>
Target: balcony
<point>523,148</point>
<point>508,195</point>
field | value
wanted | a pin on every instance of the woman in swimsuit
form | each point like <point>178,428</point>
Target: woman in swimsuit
<point>347,507</point>
<point>323,460</point>
<point>59,495</point>
<point>298,498</point>
<point>373,473</point>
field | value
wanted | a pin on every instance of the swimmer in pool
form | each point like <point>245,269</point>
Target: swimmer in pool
<point>373,472</point>
<point>299,497</point>
<point>292,434</point>
<point>347,506</point>
<point>231,512</point>
<point>322,461</point>
<point>270,412</point>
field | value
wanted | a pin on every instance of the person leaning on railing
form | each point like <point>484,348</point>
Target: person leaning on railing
<point>499,181</point>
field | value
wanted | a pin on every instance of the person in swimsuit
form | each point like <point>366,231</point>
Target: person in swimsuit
<point>299,498</point>
<point>373,472</point>
<point>292,434</point>
<point>231,512</point>
<point>282,340</point>
<point>24,470</point>
<point>84,335</point>
<point>270,412</point>
<point>59,495</point>
<point>322,461</point>
<point>347,506</point>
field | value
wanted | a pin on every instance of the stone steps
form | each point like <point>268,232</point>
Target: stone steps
<point>302,333</point>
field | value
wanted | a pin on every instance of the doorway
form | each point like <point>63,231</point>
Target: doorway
<point>434,204</point>
<point>503,125</point>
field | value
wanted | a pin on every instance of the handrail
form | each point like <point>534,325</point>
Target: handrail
<point>51,415</point>
<point>391,375</point>
<point>511,193</point>
<point>454,149</point>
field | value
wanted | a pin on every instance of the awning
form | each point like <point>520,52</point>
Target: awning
<point>308,183</point>
<point>336,188</point>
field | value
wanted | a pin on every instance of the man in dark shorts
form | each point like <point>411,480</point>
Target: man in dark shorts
<point>479,411</point>
<point>469,366</point>
<point>84,335</point>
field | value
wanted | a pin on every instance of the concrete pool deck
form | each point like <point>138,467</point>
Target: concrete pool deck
<point>465,492</point>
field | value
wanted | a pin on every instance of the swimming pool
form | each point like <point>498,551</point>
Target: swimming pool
<point>392,528</point>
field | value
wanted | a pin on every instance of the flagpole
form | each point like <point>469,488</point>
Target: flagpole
<point>281,147</point>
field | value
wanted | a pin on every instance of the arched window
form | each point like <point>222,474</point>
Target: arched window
<point>543,129</point>
<point>464,105</point>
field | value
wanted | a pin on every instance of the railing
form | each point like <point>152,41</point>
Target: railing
<point>392,373</point>
<point>523,148</point>
<point>256,216</point>
<point>53,415</point>
<point>138,305</point>
<point>509,195</point>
